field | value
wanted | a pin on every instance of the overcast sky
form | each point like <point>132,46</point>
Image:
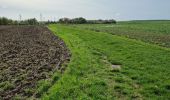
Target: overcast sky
<point>90,9</point>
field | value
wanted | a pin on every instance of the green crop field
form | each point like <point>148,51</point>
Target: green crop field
<point>156,32</point>
<point>104,66</point>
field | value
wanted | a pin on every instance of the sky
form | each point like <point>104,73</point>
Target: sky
<point>89,9</point>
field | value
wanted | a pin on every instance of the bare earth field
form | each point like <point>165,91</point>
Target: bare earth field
<point>28,54</point>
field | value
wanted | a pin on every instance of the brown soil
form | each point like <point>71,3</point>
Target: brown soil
<point>28,54</point>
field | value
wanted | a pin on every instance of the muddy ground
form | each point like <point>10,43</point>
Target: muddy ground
<point>28,54</point>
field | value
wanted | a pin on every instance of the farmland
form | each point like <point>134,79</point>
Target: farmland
<point>106,67</point>
<point>155,32</point>
<point>29,55</point>
<point>124,61</point>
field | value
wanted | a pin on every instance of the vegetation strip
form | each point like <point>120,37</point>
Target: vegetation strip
<point>144,71</point>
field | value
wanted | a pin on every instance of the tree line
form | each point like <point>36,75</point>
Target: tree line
<point>82,20</point>
<point>79,20</point>
<point>33,21</point>
<point>6,21</point>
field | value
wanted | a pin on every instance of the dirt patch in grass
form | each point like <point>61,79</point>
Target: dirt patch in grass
<point>28,54</point>
<point>116,66</point>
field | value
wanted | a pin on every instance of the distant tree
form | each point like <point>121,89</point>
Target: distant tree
<point>82,20</point>
<point>79,20</point>
<point>100,21</point>
<point>64,20</point>
<point>32,21</point>
<point>110,21</point>
<point>4,21</point>
<point>15,22</point>
<point>0,21</point>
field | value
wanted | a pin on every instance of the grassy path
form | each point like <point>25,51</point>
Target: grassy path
<point>144,71</point>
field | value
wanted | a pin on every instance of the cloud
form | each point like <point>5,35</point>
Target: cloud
<point>25,4</point>
<point>92,9</point>
<point>117,16</point>
<point>3,7</point>
<point>44,4</point>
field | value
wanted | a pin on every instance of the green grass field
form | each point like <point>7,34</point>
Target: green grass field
<point>90,75</point>
<point>155,32</point>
